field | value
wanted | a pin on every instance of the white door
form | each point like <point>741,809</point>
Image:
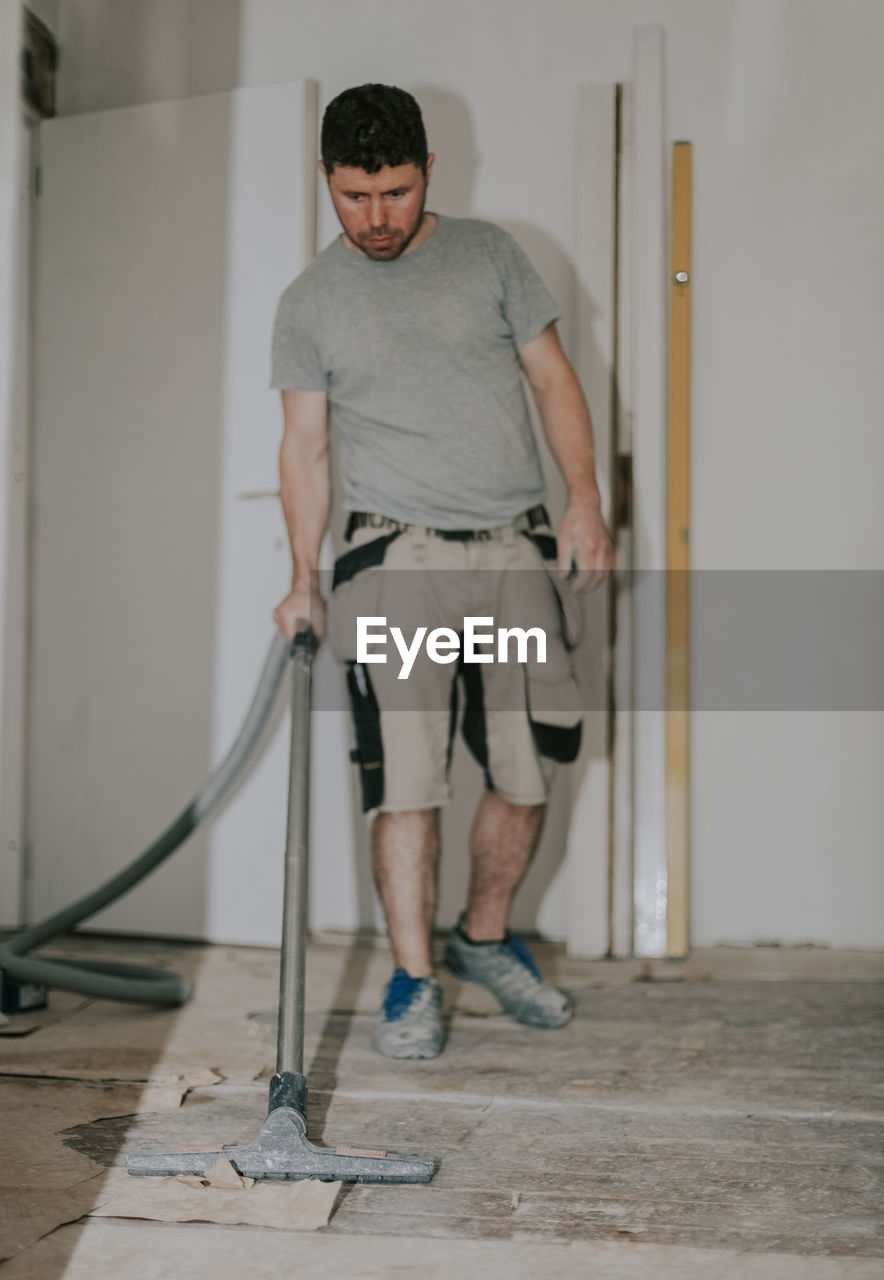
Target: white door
<point>166,233</point>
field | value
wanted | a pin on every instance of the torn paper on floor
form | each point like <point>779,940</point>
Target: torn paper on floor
<point>166,1093</point>
<point>289,1206</point>
<point>28,1213</point>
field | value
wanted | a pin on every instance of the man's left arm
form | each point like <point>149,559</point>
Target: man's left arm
<point>582,536</point>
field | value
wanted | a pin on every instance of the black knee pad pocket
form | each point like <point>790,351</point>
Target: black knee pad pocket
<point>555,716</point>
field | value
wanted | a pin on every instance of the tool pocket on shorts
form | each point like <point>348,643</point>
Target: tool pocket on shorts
<point>569,605</point>
<point>554,714</point>
<point>355,592</point>
<point>369,750</point>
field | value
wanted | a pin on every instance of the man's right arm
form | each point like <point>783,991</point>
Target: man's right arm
<point>304,491</point>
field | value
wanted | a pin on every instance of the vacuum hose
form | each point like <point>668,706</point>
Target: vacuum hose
<point>139,983</point>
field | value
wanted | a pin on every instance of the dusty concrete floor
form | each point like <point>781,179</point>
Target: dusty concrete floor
<point>718,1118</point>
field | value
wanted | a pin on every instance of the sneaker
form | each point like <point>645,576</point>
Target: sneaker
<point>409,1021</point>
<point>508,971</point>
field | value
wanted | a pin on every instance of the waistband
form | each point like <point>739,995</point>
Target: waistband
<point>528,519</point>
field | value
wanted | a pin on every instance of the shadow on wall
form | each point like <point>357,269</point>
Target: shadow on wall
<point>541,903</point>
<point>116,53</point>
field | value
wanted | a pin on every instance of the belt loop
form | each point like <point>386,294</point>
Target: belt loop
<point>419,535</point>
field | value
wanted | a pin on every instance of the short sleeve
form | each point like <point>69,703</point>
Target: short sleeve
<point>296,364</point>
<point>527,303</point>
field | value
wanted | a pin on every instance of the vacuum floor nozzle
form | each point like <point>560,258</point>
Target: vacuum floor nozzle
<point>282,1152</point>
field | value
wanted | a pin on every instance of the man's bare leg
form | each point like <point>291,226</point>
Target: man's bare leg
<point>502,843</point>
<point>405,860</point>
<point>503,838</point>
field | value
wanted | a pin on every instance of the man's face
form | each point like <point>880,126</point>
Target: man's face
<point>380,212</point>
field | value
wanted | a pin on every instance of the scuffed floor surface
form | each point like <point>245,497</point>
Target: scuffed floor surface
<point>718,1118</point>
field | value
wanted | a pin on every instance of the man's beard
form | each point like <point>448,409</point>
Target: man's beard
<point>397,246</point>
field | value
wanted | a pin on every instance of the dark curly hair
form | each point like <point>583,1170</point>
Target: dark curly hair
<point>373,125</point>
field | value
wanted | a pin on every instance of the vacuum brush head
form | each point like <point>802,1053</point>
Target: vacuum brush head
<point>282,1152</point>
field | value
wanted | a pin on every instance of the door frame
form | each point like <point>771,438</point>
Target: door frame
<point>16,539</point>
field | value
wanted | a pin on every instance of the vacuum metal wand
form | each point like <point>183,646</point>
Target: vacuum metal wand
<point>290,1032</point>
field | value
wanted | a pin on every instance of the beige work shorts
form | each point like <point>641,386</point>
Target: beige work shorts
<point>517,717</point>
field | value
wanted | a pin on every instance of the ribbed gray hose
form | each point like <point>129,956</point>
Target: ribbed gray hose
<point>139,983</point>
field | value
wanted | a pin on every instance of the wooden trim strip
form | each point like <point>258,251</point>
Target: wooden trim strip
<point>678,559</point>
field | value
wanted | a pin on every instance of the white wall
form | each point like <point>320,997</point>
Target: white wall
<point>155,573</point>
<point>783,101</point>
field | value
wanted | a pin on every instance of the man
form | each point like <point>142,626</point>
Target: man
<point>412,329</point>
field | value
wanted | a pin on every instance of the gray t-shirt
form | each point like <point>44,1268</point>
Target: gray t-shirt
<point>419,357</point>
